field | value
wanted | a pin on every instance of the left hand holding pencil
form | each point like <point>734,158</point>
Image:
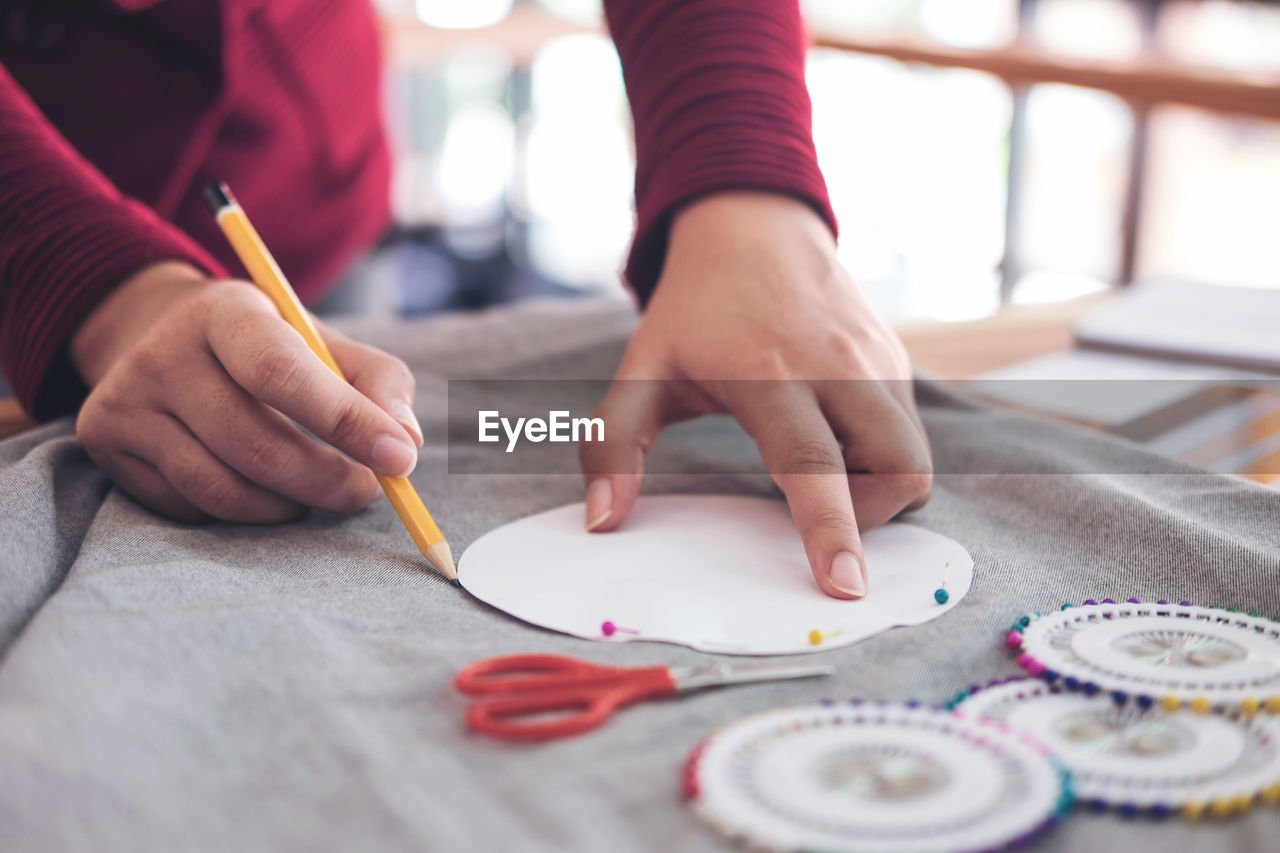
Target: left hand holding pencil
<point>194,386</point>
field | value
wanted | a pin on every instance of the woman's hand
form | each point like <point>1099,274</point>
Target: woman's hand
<point>194,386</point>
<point>752,290</point>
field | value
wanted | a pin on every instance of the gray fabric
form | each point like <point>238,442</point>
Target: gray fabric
<point>288,688</point>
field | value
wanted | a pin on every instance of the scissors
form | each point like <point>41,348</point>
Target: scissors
<point>583,694</point>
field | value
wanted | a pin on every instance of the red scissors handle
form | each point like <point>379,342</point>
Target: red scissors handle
<point>513,674</point>
<point>581,695</point>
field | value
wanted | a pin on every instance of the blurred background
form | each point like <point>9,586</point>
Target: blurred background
<point>978,154</point>
<point>1002,171</point>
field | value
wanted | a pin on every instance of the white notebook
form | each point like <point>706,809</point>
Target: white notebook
<point>1207,323</point>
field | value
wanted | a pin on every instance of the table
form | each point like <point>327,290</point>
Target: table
<point>288,687</point>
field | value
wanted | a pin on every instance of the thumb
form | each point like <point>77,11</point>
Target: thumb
<point>613,469</point>
<point>383,378</point>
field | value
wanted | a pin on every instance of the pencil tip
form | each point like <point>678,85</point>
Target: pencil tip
<point>442,558</point>
<point>456,582</point>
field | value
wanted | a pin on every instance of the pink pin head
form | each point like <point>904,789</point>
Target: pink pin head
<point>608,628</point>
<point>1013,639</point>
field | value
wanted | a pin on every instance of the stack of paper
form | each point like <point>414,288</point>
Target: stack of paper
<point>1214,323</point>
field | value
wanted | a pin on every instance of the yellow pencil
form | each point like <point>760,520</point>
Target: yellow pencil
<point>266,274</point>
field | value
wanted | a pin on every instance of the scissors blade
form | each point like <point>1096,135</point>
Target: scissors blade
<point>693,678</point>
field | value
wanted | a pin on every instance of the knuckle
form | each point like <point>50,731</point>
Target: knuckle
<point>771,364</point>
<point>150,363</point>
<point>234,297</point>
<point>276,370</point>
<point>917,488</point>
<point>918,482</point>
<point>229,307</point>
<point>812,456</point>
<point>358,491</point>
<point>113,400</point>
<point>844,349</point>
<point>216,493</point>
<point>830,518</point>
<point>346,423</point>
<point>270,458</point>
<point>916,469</point>
<point>91,426</point>
<point>209,302</point>
<point>221,496</point>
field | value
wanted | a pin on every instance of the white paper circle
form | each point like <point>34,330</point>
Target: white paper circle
<point>716,573</point>
<point>872,778</point>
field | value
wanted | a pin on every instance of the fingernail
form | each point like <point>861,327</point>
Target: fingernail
<point>846,574</point>
<point>599,502</point>
<point>393,456</point>
<point>402,412</point>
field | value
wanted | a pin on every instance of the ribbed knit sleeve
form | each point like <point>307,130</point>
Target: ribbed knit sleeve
<point>67,236</point>
<point>719,102</point>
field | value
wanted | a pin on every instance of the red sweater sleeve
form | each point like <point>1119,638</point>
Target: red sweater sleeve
<point>67,236</point>
<point>719,101</point>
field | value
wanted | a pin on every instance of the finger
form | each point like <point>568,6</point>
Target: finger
<point>141,481</point>
<point>383,378</point>
<point>884,447</point>
<point>903,391</point>
<point>801,453</point>
<point>878,498</point>
<point>613,469</point>
<point>271,361</point>
<point>262,445</point>
<point>106,434</point>
<point>206,482</point>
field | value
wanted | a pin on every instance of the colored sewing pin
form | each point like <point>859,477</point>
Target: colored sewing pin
<point>525,688</point>
<point>941,595</point>
<point>816,637</point>
<point>609,629</point>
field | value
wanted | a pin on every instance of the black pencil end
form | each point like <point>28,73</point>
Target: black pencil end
<point>218,196</point>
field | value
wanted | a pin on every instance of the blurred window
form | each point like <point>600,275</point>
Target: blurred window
<point>536,153</point>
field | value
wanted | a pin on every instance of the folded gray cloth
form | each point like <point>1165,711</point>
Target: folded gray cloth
<point>229,687</point>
